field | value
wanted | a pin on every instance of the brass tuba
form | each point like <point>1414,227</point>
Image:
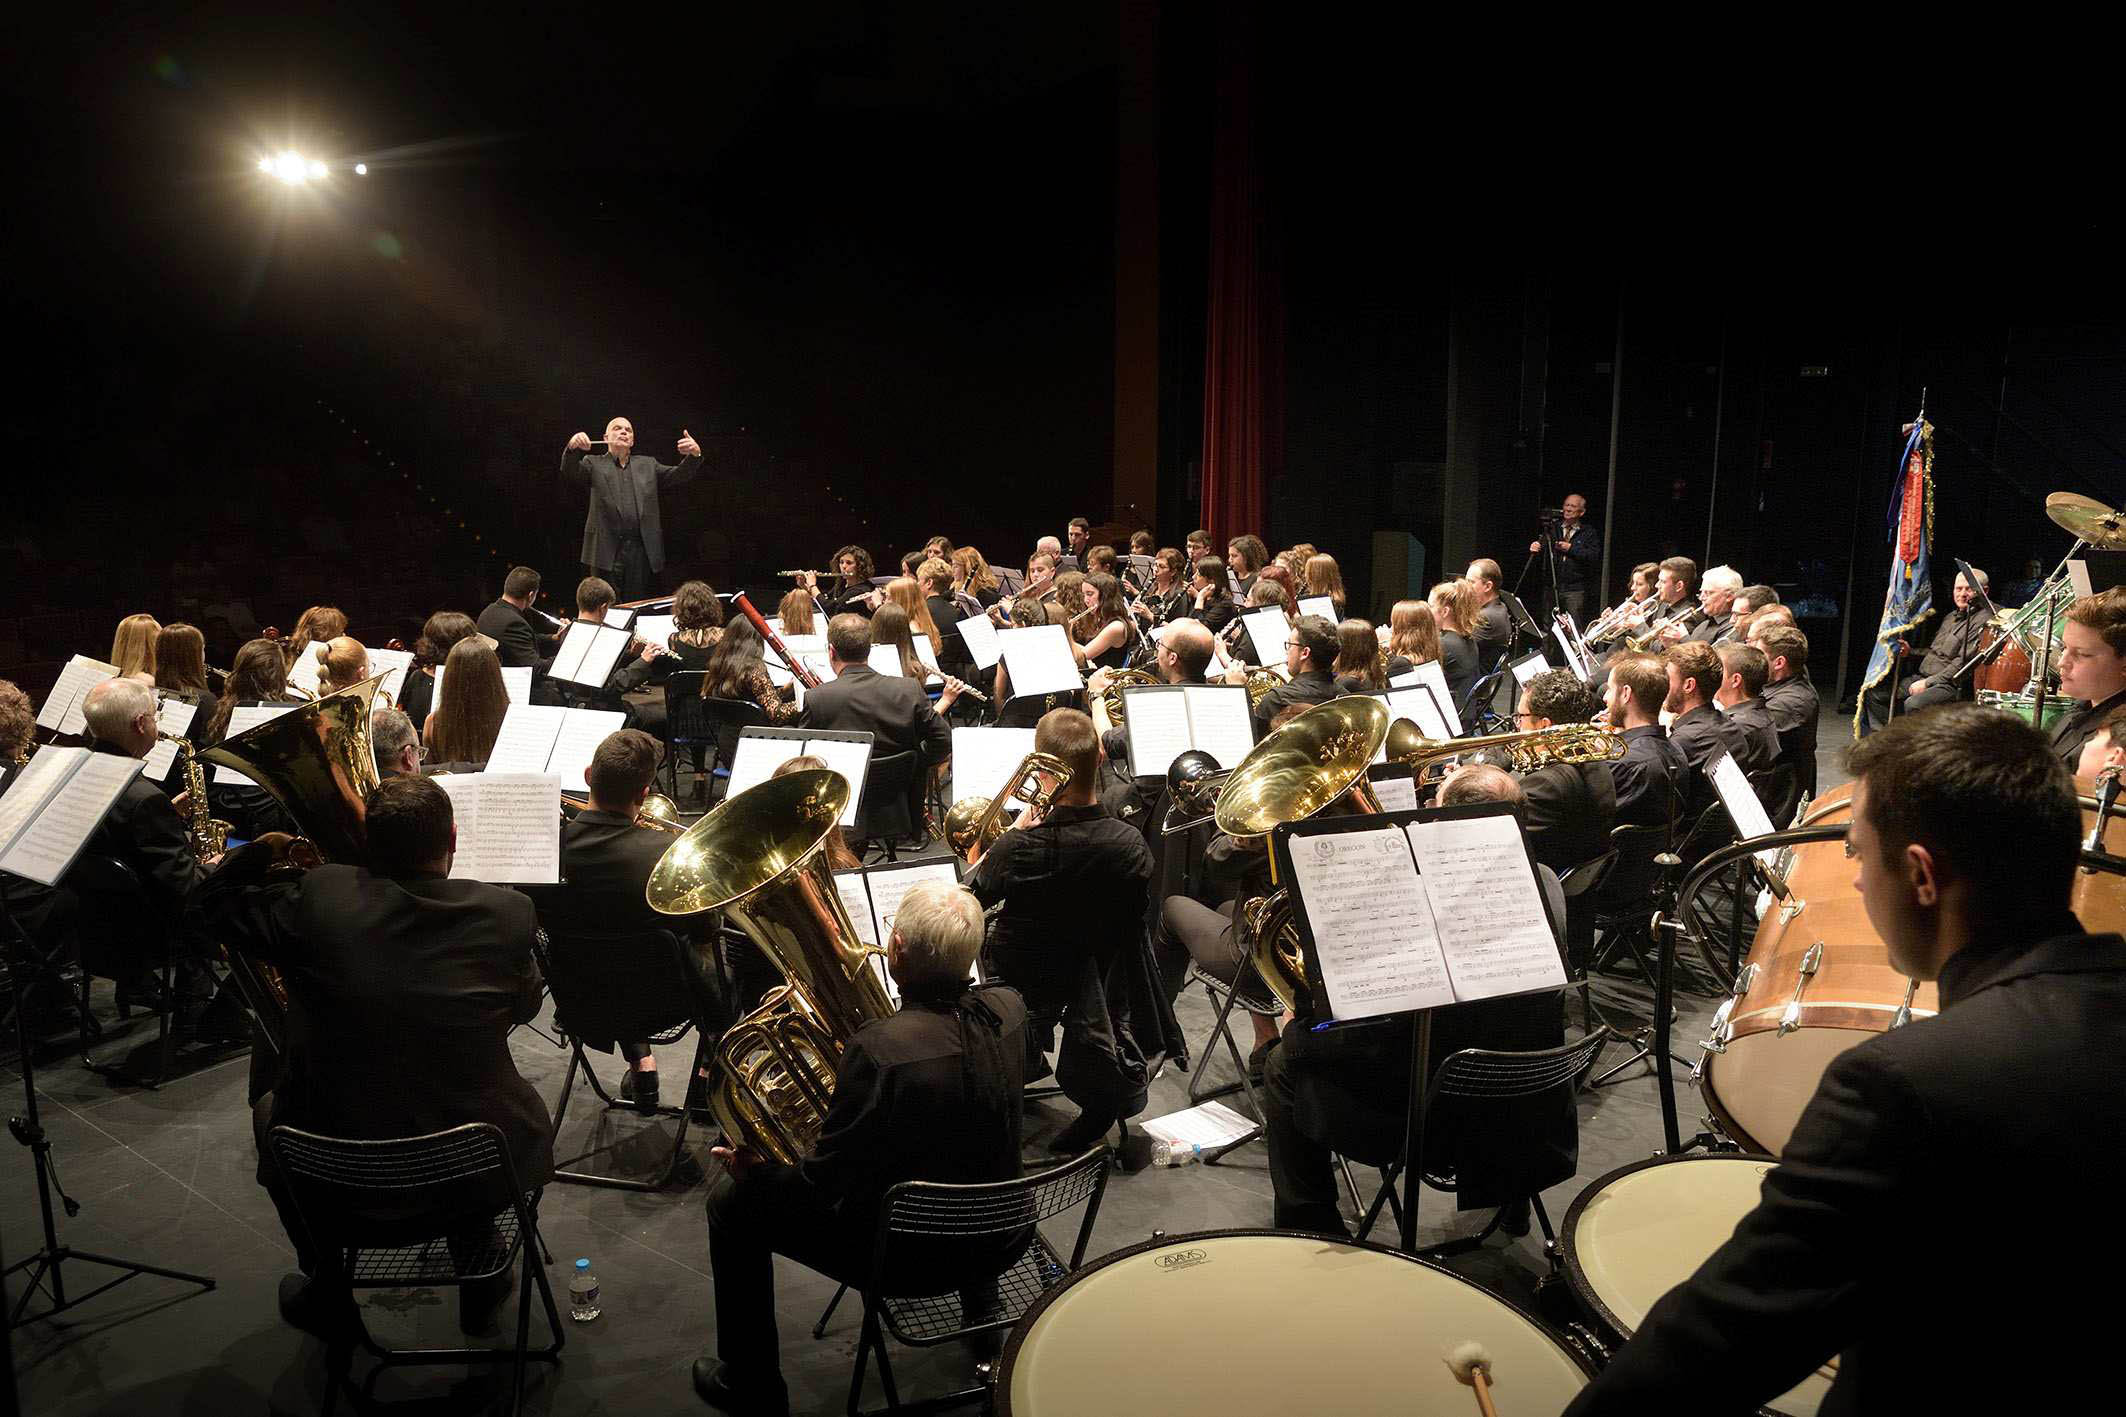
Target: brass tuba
<point>973,824</point>
<point>761,859</point>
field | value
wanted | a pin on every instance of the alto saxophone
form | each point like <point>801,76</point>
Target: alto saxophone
<point>209,837</point>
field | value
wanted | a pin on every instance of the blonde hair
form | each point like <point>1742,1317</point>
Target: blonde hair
<point>1412,632</point>
<point>343,661</point>
<point>795,612</point>
<point>904,592</point>
<point>133,647</point>
<point>1454,606</point>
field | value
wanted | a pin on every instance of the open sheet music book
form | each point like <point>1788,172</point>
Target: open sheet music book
<point>1433,675</point>
<point>760,751</point>
<point>509,827</point>
<point>588,653</point>
<point>1412,910</point>
<point>808,650</point>
<point>61,711</point>
<point>1322,605</point>
<point>1744,808</point>
<point>55,806</point>
<point>242,719</point>
<point>983,758</point>
<point>1039,661</point>
<point>1163,721</point>
<point>538,738</point>
<point>979,634</point>
<point>872,896</point>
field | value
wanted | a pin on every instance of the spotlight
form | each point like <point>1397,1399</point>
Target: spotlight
<point>361,169</point>
<point>265,165</point>
<point>289,168</point>
<point>317,169</point>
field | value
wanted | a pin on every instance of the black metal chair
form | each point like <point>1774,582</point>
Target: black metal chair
<point>1246,994</point>
<point>885,814</point>
<point>916,1216</point>
<point>444,1209</point>
<point>1476,1079</point>
<point>624,986</point>
<point>1581,884</point>
<point>120,935</point>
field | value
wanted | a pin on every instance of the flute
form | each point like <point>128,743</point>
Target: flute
<point>767,632</point>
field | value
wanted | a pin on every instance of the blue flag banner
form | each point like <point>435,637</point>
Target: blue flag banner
<point>1910,597</point>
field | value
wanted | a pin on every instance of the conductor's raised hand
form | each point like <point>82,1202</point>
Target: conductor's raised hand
<point>581,443</point>
<point>688,448</point>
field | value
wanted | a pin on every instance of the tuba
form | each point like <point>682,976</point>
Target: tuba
<point>761,859</point>
<point>973,824</point>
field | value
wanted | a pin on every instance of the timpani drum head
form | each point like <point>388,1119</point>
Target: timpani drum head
<point>1640,1231</point>
<point>1324,1326</point>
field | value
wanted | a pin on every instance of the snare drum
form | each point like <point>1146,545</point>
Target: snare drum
<point>1640,1231</point>
<point>1340,1327</point>
<point>2024,705</point>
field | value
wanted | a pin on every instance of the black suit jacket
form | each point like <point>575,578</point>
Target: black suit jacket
<point>896,712</point>
<point>145,832</point>
<point>517,644</point>
<point>624,501</point>
<point>401,995</point>
<point>1649,779</point>
<point>1569,811</point>
<point>1312,687</point>
<point>1854,1248</point>
<point>1792,706</point>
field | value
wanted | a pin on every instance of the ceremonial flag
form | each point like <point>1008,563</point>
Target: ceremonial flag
<point>1910,598</point>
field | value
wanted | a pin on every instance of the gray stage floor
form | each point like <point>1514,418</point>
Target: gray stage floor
<point>166,1177</point>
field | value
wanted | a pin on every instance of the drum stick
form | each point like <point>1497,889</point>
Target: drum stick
<point>1471,1364</point>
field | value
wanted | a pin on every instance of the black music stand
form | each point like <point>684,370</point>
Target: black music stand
<point>47,1266</point>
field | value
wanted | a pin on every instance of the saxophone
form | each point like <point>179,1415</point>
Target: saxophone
<point>209,837</point>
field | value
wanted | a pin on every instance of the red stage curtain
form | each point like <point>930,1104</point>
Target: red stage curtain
<point>1243,357</point>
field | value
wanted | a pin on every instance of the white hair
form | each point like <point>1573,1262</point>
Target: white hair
<point>390,731</point>
<point>1720,578</point>
<point>940,929</point>
<point>1048,545</point>
<point>114,706</point>
<point>1984,581</point>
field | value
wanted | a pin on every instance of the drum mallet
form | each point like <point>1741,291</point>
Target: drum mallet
<point>1471,1364</point>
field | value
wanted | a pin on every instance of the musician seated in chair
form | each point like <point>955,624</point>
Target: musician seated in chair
<point>402,987</point>
<point>1309,655</point>
<point>894,710</point>
<point>594,597</point>
<point>1346,1090</point>
<point>1907,1133</point>
<point>930,1094</point>
<point>1744,672</point>
<point>1956,639</point>
<point>1698,729</point>
<point>1074,886</point>
<point>1651,777</point>
<point>606,860</point>
<point>508,622</point>
<point>2092,668</point>
<point>1569,809</point>
<point>1790,697</point>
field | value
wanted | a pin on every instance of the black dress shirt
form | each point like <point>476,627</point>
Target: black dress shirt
<point>1795,712</point>
<point>1955,640</point>
<point>516,642</point>
<point>1314,686</point>
<point>895,711</point>
<point>1080,878</point>
<point>1760,739</point>
<point>1569,810</point>
<point>1649,778</point>
<point>1704,731</point>
<point>1852,1249</point>
<point>951,649</point>
<point>2075,730</point>
<point>624,501</point>
<point>1457,655</point>
<point>1713,629</point>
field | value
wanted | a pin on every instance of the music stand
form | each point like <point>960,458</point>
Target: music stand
<point>47,1266</point>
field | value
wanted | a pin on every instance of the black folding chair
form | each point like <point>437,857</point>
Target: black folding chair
<point>625,986</point>
<point>420,1212</point>
<point>916,1216</point>
<point>120,935</point>
<point>1581,885</point>
<point>885,815</point>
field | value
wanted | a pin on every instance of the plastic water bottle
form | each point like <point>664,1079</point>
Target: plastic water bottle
<point>583,1293</point>
<point>1176,1153</point>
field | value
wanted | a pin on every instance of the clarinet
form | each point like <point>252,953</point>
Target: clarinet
<point>767,632</point>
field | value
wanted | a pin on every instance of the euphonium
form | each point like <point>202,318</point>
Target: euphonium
<point>761,859</point>
<point>974,823</point>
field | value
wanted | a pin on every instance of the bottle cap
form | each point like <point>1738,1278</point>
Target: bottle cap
<point>583,1264</point>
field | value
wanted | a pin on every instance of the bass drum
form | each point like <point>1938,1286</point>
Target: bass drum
<point>2007,672</point>
<point>1818,980</point>
<point>1641,1230</point>
<point>1366,1330</point>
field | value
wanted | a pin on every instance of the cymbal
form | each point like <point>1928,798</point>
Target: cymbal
<point>2088,519</point>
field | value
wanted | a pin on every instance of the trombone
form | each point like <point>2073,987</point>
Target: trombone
<point>973,824</point>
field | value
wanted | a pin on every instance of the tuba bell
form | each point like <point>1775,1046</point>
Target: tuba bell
<point>761,859</point>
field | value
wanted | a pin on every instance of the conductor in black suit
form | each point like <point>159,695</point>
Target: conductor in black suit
<point>1871,1241</point>
<point>402,987</point>
<point>623,532</point>
<point>1568,808</point>
<point>895,711</point>
<point>508,622</point>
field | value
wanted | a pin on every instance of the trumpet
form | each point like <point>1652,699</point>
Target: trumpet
<point>1650,636</point>
<point>1613,620</point>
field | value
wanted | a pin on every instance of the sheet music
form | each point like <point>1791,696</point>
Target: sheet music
<point>1210,1125</point>
<point>1219,721</point>
<point>857,901</point>
<point>1396,794</point>
<point>1372,923</point>
<point>1155,718</point>
<point>886,660</point>
<point>1267,632</point>
<point>568,659</point>
<point>983,758</point>
<point>526,740</point>
<point>1039,661</point>
<point>849,758</point>
<point>243,718</point>
<point>1497,936</point>
<point>1744,808</point>
<point>582,730</point>
<point>924,654</point>
<point>658,629</point>
<point>1416,704</point>
<point>979,634</point>
<point>50,768</point>
<point>509,827</point>
<point>1322,605</point>
<point>308,669</point>
<point>394,665</point>
<point>61,711</point>
<point>619,616</point>
<point>1568,641</point>
<point>174,716</point>
<point>755,760</point>
<point>1433,675</point>
<point>890,886</point>
<point>44,848</point>
<point>517,682</point>
<point>600,656</point>
<point>1527,668</point>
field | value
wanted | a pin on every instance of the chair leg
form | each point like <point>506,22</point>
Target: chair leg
<point>819,1330</point>
<point>863,1358</point>
<point>516,1370</point>
<point>1222,1029</point>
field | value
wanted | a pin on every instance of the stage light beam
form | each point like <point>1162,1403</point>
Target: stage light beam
<point>361,169</point>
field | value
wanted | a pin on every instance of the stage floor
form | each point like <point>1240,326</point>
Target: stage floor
<point>166,1178</point>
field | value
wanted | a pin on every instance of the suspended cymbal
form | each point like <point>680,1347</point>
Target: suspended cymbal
<point>2088,519</point>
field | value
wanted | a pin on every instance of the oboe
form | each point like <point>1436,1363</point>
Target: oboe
<point>767,632</point>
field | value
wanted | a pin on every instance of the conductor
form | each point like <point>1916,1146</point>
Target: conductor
<point>623,535</point>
